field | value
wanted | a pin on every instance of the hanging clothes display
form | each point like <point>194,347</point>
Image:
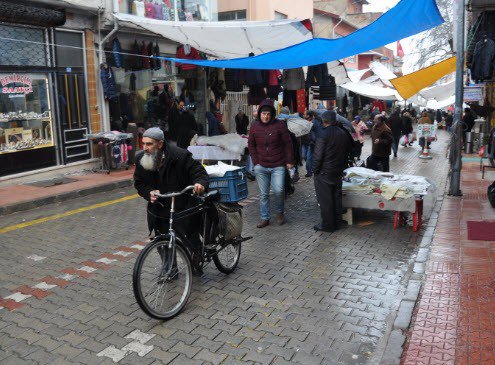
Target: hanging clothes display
<point>274,84</point>
<point>256,95</point>
<point>293,79</point>
<point>149,10</point>
<point>145,58</point>
<point>233,80</point>
<point>189,53</point>
<point>290,99</point>
<point>156,53</point>
<point>317,76</point>
<point>483,59</point>
<point>118,57</point>
<point>149,52</point>
<point>301,101</point>
<point>108,82</point>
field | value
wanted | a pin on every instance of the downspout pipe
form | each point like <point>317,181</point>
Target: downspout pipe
<point>105,122</point>
<point>335,27</point>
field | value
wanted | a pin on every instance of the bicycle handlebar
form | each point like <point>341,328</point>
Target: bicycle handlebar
<point>171,195</point>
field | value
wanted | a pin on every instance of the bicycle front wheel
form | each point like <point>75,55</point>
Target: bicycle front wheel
<point>162,280</point>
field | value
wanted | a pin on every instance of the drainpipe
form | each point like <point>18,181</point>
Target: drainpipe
<point>333,30</point>
<point>105,119</point>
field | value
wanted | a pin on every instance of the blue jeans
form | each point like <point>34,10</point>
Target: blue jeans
<point>274,177</point>
<point>307,155</point>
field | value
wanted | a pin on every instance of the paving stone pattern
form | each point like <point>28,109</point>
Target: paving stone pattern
<point>298,296</point>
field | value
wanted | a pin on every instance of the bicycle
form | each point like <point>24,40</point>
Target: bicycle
<point>162,276</point>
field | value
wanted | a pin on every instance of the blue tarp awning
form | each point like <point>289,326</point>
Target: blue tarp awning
<point>407,18</point>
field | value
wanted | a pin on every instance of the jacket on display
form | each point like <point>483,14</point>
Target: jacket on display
<point>118,57</point>
<point>331,152</point>
<point>254,78</point>
<point>293,79</point>
<point>177,170</point>
<point>270,144</point>
<point>189,53</point>
<point>233,80</point>
<point>484,56</point>
<point>144,54</point>
<point>317,75</point>
<point>108,82</point>
<point>216,82</point>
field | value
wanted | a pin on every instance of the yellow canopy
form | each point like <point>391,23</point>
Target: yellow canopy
<point>413,83</point>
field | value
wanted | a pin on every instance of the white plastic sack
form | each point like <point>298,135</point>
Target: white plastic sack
<point>300,127</point>
<point>220,169</point>
<point>402,141</point>
<point>231,142</point>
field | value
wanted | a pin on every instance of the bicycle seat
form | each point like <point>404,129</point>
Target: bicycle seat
<point>211,196</point>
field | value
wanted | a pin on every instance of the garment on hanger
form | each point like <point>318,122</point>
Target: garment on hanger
<point>483,60</point>
<point>158,8</point>
<point>233,79</point>
<point>256,95</point>
<point>193,54</point>
<point>140,10</point>
<point>317,75</point>
<point>290,99</point>
<point>293,79</point>
<point>118,57</point>
<point>149,9</point>
<point>149,51</point>
<point>144,54</point>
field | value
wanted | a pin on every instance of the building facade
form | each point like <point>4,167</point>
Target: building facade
<point>264,9</point>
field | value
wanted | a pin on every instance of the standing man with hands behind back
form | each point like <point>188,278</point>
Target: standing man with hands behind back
<point>271,149</point>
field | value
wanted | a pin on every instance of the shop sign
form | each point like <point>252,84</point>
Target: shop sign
<point>9,81</point>
<point>473,93</point>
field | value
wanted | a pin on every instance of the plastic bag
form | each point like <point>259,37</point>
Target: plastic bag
<point>403,141</point>
<point>481,152</point>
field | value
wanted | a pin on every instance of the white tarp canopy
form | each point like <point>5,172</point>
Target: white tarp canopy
<point>439,92</point>
<point>433,104</point>
<point>230,39</point>
<point>356,76</point>
<point>372,91</point>
<point>381,71</point>
<point>339,72</point>
<point>83,4</point>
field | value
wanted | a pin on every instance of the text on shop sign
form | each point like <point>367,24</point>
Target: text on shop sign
<point>8,80</point>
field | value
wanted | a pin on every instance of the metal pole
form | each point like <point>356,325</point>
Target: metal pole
<point>456,143</point>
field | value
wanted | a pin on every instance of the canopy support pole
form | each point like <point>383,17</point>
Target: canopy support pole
<point>456,142</point>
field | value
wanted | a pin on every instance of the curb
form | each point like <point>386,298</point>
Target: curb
<point>395,344</point>
<point>32,204</point>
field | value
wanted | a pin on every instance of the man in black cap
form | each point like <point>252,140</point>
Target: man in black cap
<point>164,168</point>
<point>329,162</point>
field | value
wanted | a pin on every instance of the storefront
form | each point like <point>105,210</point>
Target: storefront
<point>43,101</point>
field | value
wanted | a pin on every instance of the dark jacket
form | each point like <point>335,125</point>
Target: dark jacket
<point>293,79</point>
<point>395,125</point>
<point>241,124</point>
<point>384,147</point>
<point>177,171</point>
<point>213,125</point>
<point>483,58</point>
<point>108,82</point>
<point>317,76</point>
<point>407,126</point>
<point>270,144</point>
<point>182,127</point>
<point>331,152</point>
<point>468,121</point>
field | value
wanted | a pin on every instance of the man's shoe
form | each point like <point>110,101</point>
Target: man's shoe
<point>395,155</point>
<point>308,175</point>
<point>263,223</point>
<point>319,227</point>
<point>281,219</point>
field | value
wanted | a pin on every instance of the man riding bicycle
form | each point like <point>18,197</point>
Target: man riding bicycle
<point>163,168</point>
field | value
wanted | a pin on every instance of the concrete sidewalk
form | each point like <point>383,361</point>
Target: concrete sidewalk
<point>454,319</point>
<point>57,188</point>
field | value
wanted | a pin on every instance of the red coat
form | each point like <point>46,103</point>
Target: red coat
<point>274,77</point>
<point>193,55</point>
<point>270,144</point>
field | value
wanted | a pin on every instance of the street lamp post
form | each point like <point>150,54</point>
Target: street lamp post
<point>456,143</point>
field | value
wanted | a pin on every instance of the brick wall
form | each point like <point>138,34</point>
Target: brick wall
<point>94,117</point>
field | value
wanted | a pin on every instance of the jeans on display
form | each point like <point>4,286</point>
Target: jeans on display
<point>273,177</point>
<point>307,155</point>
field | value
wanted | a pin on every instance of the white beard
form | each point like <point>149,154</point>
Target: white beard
<point>148,161</point>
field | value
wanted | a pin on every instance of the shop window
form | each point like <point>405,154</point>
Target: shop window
<point>187,10</point>
<point>232,15</point>
<point>25,113</point>
<point>21,46</point>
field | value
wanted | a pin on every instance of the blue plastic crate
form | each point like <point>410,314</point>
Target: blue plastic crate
<point>232,186</point>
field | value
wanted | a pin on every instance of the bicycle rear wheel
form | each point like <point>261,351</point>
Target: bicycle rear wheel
<point>227,257</point>
<point>161,283</point>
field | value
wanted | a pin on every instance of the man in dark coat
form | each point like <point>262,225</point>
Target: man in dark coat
<point>241,122</point>
<point>182,125</point>
<point>329,162</point>
<point>395,125</point>
<point>164,168</point>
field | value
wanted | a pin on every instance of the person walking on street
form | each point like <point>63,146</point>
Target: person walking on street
<point>468,122</point>
<point>425,119</point>
<point>395,125</point>
<point>329,163</point>
<point>449,120</point>
<point>381,138</point>
<point>307,144</point>
<point>271,149</point>
<point>407,127</point>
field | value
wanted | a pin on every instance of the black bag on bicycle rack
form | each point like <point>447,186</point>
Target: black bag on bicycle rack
<point>229,220</point>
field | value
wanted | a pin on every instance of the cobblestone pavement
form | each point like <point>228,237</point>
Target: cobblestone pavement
<point>298,296</point>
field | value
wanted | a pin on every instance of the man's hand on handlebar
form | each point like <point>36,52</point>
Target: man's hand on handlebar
<point>153,196</point>
<point>199,189</point>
